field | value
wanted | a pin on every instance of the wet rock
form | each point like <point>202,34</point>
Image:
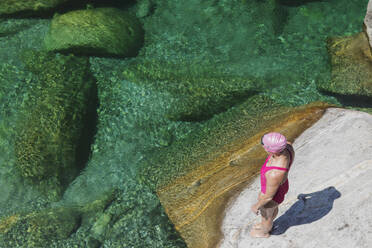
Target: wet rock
<point>328,203</point>
<point>55,224</point>
<point>351,62</point>
<point>93,243</point>
<point>195,179</point>
<point>198,91</point>
<point>12,27</point>
<point>144,8</point>
<point>8,7</point>
<point>96,32</point>
<point>100,225</point>
<point>38,229</point>
<point>51,121</point>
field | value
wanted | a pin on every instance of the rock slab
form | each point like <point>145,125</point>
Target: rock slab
<point>351,61</point>
<point>10,7</point>
<point>96,32</point>
<point>195,200</point>
<point>329,201</point>
<point>368,22</point>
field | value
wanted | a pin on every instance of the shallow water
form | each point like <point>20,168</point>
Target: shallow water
<point>284,46</point>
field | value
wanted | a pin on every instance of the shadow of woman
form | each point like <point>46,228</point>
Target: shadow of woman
<point>309,208</point>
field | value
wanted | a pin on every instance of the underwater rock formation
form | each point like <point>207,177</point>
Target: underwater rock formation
<point>8,7</point>
<point>351,62</point>
<point>96,32</point>
<point>198,90</point>
<point>144,8</point>
<point>38,229</point>
<point>51,122</point>
<point>196,177</point>
<point>42,227</point>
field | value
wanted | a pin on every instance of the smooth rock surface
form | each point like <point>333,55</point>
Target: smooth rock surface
<point>351,62</point>
<point>334,162</point>
<point>368,22</point>
<point>219,163</point>
<point>10,7</point>
<point>199,91</point>
<point>96,32</point>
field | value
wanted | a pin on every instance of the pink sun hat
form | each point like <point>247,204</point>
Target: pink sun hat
<point>274,142</point>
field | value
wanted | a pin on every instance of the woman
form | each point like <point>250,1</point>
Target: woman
<point>274,182</point>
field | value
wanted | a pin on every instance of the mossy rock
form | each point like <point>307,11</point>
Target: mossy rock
<point>199,91</point>
<point>41,228</point>
<point>51,122</point>
<point>38,229</point>
<point>203,144</point>
<point>96,32</point>
<point>351,62</point>
<point>8,28</point>
<point>9,7</point>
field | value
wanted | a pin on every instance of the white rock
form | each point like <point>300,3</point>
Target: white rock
<point>368,22</point>
<point>334,161</point>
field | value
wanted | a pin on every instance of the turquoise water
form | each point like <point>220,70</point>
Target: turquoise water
<point>282,44</point>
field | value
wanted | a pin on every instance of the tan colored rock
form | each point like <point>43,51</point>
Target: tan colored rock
<point>196,201</point>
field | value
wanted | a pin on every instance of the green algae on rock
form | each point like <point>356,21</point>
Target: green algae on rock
<point>178,159</point>
<point>38,229</point>
<point>96,32</point>
<point>199,91</point>
<point>351,66</point>
<point>8,28</point>
<point>51,121</point>
<point>9,7</point>
<point>127,214</point>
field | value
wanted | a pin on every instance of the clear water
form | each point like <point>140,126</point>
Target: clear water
<point>284,45</point>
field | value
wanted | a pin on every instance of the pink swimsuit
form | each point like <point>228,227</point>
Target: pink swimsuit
<point>283,189</point>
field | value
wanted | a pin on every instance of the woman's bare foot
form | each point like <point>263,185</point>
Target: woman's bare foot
<point>256,233</point>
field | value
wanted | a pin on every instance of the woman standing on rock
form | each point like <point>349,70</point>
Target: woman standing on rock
<point>274,181</point>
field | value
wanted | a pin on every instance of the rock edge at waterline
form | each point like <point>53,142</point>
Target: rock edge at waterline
<point>334,163</point>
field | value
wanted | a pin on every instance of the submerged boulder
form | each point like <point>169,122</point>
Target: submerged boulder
<point>351,62</point>
<point>8,7</point>
<point>50,127</point>
<point>41,228</point>
<point>198,91</point>
<point>38,229</point>
<point>95,32</point>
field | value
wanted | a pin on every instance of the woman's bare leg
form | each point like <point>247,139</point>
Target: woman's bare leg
<point>269,206</point>
<point>268,213</point>
<point>259,224</point>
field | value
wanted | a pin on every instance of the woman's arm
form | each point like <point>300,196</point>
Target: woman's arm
<point>273,180</point>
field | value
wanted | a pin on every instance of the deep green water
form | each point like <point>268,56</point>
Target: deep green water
<point>283,45</point>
